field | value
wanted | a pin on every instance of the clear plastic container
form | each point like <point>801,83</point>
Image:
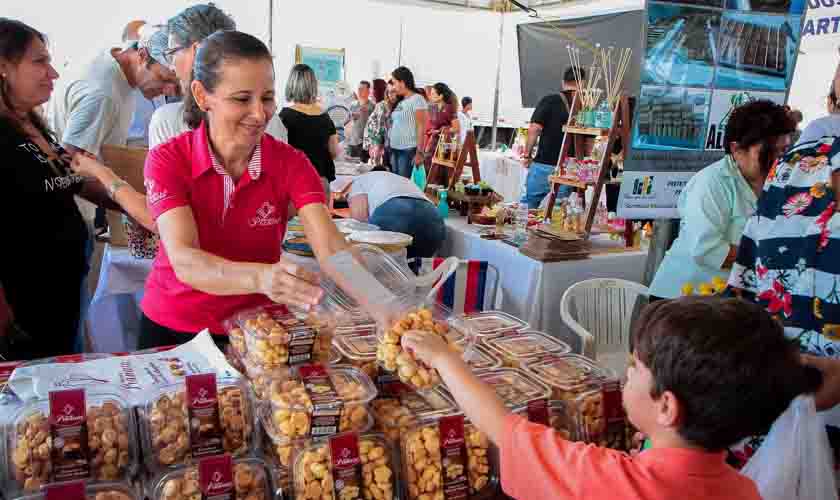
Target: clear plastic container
<point>315,475</point>
<point>278,459</point>
<point>424,471</point>
<point>568,375</point>
<point>561,416</point>
<point>112,444</point>
<point>482,358</point>
<point>335,356</point>
<point>359,350</point>
<point>276,338</point>
<point>593,424</point>
<point>395,415</point>
<point>516,348</point>
<point>514,386</point>
<point>261,378</point>
<point>431,318</point>
<point>236,337</point>
<point>100,491</point>
<point>492,323</point>
<point>251,478</point>
<point>308,405</point>
<point>167,433</point>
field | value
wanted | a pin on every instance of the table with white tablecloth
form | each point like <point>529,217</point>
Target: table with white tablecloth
<point>114,313</point>
<point>531,289</point>
<point>504,173</point>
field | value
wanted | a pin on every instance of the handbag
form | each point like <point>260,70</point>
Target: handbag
<point>142,243</point>
<point>418,175</point>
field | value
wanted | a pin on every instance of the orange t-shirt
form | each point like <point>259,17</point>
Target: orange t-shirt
<point>537,465</point>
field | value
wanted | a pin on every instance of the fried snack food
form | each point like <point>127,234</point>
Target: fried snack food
<point>394,358</point>
<point>268,339</point>
<point>111,495</point>
<point>249,481</point>
<point>168,422</point>
<point>292,407</point>
<point>108,444</point>
<point>392,418</point>
<point>314,475</point>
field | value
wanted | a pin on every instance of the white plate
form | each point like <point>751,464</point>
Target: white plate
<point>381,238</point>
<point>350,226</point>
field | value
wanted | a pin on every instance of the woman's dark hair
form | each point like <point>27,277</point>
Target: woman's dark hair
<point>214,50</point>
<point>379,89</point>
<point>15,38</point>
<point>405,75</point>
<point>449,97</point>
<point>758,122</point>
<point>726,360</point>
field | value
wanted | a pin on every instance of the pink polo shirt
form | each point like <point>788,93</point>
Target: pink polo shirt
<point>241,221</point>
<point>537,464</point>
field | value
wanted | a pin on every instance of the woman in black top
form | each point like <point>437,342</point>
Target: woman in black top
<point>43,256</point>
<point>310,129</point>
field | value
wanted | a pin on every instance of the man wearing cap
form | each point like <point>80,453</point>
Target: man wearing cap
<point>138,132</point>
<point>186,31</point>
<point>96,106</point>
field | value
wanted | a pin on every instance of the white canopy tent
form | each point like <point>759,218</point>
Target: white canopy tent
<point>455,41</point>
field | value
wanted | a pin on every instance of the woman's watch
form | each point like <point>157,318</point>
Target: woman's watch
<point>116,186</point>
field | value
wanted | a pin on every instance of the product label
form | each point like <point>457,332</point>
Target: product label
<point>215,478</point>
<point>326,403</point>
<point>65,491</point>
<point>347,465</point>
<point>68,428</point>
<point>453,457</point>
<point>301,344</point>
<point>388,384</point>
<point>538,412</point>
<point>203,409</point>
<point>614,417</point>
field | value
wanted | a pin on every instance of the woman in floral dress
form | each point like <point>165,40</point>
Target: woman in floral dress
<point>376,131</point>
<point>789,257</point>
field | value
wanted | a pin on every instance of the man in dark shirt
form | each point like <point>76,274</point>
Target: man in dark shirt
<point>547,122</point>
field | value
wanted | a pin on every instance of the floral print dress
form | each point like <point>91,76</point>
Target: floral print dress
<point>789,256</point>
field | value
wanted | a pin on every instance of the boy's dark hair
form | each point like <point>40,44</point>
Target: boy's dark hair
<point>365,83</point>
<point>569,74</point>
<point>466,101</point>
<point>727,362</point>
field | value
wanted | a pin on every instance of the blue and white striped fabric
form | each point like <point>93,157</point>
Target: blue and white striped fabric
<point>789,257</point>
<point>403,134</point>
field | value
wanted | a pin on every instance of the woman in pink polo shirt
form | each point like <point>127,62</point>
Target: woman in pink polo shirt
<point>220,196</point>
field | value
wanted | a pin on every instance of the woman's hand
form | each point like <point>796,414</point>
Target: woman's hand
<point>428,348</point>
<point>419,159</point>
<point>288,283</point>
<point>86,165</point>
<point>828,395</point>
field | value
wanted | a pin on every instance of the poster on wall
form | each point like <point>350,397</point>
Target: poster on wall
<point>328,65</point>
<point>703,58</point>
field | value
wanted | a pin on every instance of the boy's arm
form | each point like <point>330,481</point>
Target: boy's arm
<point>478,400</point>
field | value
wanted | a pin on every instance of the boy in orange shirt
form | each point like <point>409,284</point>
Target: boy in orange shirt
<point>704,374</point>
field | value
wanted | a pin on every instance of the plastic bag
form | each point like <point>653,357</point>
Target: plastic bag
<point>418,175</point>
<point>795,460</point>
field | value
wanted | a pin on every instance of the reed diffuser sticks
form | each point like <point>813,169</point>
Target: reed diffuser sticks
<point>614,64</point>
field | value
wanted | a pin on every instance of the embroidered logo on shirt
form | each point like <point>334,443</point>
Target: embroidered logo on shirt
<point>153,194</point>
<point>266,216</point>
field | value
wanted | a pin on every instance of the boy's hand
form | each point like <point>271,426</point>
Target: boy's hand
<point>828,395</point>
<point>428,348</point>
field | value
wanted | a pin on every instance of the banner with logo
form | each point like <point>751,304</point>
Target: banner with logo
<point>703,58</point>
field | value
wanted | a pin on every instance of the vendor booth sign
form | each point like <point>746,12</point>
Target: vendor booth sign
<point>703,58</point>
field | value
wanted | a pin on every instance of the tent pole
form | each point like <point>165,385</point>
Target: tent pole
<point>498,82</point>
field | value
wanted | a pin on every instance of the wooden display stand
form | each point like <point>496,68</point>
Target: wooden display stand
<point>620,128</point>
<point>467,156</point>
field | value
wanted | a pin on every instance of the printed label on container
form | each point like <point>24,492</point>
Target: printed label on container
<point>215,478</point>
<point>613,409</point>
<point>388,384</point>
<point>65,491</point>
<point>347,466</point>
<point>68,429</point>
<point>538,411</point>
<point>203,408</point>
<point>301,345</point>
<point>453,457</point>
<point>326,403</point>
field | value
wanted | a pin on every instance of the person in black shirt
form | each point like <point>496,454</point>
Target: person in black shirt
<point>43,259</point>
<point>310,129</point>
<point>547,122</point>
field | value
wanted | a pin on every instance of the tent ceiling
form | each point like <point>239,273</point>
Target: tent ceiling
<point>486,4</point>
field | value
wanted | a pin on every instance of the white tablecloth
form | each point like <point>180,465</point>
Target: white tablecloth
<point>114,313</point>
<point>531,289</point>
<point>504,173</point>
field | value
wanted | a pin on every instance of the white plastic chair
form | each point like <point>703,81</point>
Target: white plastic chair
<point>599,311</point>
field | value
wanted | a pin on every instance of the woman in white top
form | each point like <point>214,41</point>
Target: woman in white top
<point>186,31</point>
<point>408,123</point>
<point>395,203</point>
